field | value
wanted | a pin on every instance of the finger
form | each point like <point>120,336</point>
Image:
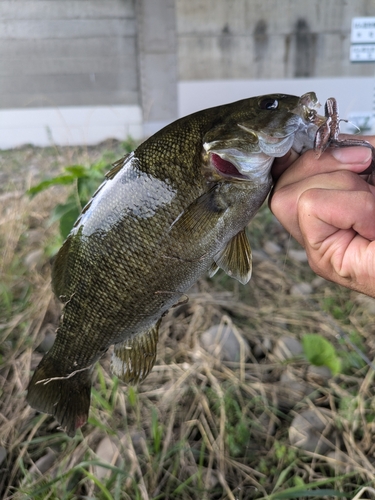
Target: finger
<point>323,212</point>
<point>368,138</point>
<point>355,159</point>
<point>340,243</point>
<point>281,164</point>
<point>284,202</point>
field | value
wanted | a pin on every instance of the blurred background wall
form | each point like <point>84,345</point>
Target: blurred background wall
<point>81,71</point>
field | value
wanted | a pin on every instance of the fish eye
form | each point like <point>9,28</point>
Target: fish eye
<point>268,103</point>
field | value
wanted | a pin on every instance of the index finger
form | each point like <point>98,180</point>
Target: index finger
<point>355,159</point>
<point>281,164</point>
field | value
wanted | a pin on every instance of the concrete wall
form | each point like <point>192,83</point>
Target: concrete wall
<point>67,53</point>
<point>260,39</point>
<point>79,71</point>
<point>157,56</point>
<point>68,71</point>
<point>232,49</point>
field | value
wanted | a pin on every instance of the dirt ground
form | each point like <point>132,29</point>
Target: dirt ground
<point>233,412</point>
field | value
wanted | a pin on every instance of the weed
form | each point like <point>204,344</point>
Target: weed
<point>320,352</point>
<point>84,180</point>
<point>197,427</point>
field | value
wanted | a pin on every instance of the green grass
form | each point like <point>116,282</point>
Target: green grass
<point>196,428</point>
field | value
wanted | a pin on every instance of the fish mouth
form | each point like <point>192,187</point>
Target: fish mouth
<point>237,165</point>
<point>300,131</point>
<point>307,109</point>
<point>225,168</point>
<point>275,146</point>
<point>250,160</point>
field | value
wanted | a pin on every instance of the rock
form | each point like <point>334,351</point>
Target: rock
<point>107,452</point>
<point>47,342</point>
<point>34,259</point>
<point>367,302</point>
<point>317,282</point>
<point>268,422</point>
<point>272,248</point>
<point>291,393</point>
<point>259,255</point>
<point>35,220</point>
<point>35,236</point>
<point>139,441</point>
<point>223,342</point>
<point>297,255</point>
<point>301,289</point>
<point>291,390</point>
<point>306,431</point>
<point>287,376</point>
<point>44,463</point>
<point>287,347</point>
<point>260,350</point>
<point>209,477</point>
<point>285,393</point>
<point>3,454</point>
<point>340,461</point>
<point>318,374</point>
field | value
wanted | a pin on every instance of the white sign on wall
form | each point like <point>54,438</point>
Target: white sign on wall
<point>362,52</point>
<point>362,38</point>
<point>363,30</point>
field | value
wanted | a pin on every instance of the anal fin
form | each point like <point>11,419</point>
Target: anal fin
<point>133,359</point>
<point>235,258</point>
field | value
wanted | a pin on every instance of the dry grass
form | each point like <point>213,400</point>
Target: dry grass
<point>198,427</point>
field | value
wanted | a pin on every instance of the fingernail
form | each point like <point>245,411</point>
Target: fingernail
<point>353,154</point>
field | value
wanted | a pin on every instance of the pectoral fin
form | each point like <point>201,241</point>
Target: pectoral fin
<point>235,258</point>
<point>193,233</point>
<point>133,359</point>
<point>213,269</point>
<point>200,216</point>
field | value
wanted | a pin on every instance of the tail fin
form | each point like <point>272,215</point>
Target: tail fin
<point>66,398</point>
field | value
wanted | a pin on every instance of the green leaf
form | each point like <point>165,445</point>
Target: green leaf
<point>59,180</point>
<point>299,482</point>
<point>61,209</point>
<point>288,494</point>
<point>86,187</point>
<point>320,352</point>
<point>67,221</point>
<point>77,170</point>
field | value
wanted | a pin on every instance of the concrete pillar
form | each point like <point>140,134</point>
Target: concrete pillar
<point>157,62</point>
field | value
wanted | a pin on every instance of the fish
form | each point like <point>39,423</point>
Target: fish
<point>166,214</point>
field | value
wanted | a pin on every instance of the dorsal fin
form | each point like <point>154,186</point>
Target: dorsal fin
<point>116,167</point>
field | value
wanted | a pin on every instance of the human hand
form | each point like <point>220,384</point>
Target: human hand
<point>330,210</point>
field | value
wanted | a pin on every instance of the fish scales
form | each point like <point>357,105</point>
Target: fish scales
<point>169,212</point>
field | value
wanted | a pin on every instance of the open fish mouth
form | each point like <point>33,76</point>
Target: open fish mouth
<point>226,168</point>
<point>249,153</point>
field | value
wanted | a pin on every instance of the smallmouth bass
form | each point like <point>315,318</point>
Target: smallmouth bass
<point>167,213</point>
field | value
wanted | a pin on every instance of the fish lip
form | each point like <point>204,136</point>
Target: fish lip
<point>307,109</point>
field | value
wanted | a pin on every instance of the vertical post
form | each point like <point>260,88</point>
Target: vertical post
<point>157,62</point>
